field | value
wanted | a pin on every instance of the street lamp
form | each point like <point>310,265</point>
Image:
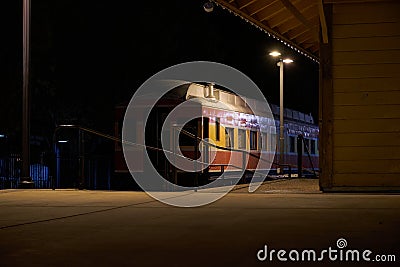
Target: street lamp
<point>280,64</point>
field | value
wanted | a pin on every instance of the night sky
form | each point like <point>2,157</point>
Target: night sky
<point>88,56</point>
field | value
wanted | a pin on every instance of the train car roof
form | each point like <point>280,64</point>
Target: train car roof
<point>292,114</point>
<point>228,100</point>
<point>223,99</point>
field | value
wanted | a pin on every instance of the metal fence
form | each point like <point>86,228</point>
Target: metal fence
<point>10,170</point>
<point>59,172</point>
<point>96,174</point>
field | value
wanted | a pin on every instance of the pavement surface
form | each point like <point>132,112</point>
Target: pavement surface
<point>109,228</point>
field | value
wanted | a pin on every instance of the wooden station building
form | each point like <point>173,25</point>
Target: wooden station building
<point>357,44</point>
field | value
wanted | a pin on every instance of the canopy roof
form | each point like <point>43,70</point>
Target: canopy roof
<point>294,22</point>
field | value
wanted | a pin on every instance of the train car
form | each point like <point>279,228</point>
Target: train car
<point>234,135</point>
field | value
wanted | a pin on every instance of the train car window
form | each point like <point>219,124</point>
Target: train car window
<point>118,133</point>
<point>306,145</point>
<point>241,139</point>
<point>253,140</point>
<point>206,123</point>
<point>260,140</point>
<point>264,141</point>
<point>217,128</point>
<point>132,125</point>
<point>312,146</point>
<point>274,142</point>
<point>292,144</point>
<point>152,129</point>
<point>229,138</point>
<point>190,127</point>
<point>159,125</point>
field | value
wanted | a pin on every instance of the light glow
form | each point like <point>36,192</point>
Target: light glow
<point>275,54</point>
<point>287,60</point>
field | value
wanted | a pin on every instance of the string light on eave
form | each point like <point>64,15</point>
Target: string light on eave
<point>268,33</point>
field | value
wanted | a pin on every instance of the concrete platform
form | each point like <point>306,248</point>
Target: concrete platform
<point>287,186</point>
<point>103,228</point>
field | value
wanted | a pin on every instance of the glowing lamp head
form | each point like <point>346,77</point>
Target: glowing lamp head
<point>287,60</point>
<point>275,54</point>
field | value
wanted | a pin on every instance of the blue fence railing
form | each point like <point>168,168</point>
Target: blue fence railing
<point>10,169</point>
<point>63,172</point>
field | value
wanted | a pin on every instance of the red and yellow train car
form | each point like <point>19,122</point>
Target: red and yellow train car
<point>238,137</point>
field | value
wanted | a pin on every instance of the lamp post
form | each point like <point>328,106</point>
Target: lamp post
<point>280,64</point>
<point>26,180</point>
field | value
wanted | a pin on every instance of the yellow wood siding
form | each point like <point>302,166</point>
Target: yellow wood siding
<point>376,139</point>
<point>384,84</point>
<point>365,39</point>
<point>366,153</point>
<point>363,181</point>
<point>367,125</point>
<point>366,98</point>
<point>367,57</point>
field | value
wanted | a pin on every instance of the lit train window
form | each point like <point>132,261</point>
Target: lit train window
<point>217,128</point>
<point>253,140</point>
<point>241,139</point>
<point>229,138</point>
